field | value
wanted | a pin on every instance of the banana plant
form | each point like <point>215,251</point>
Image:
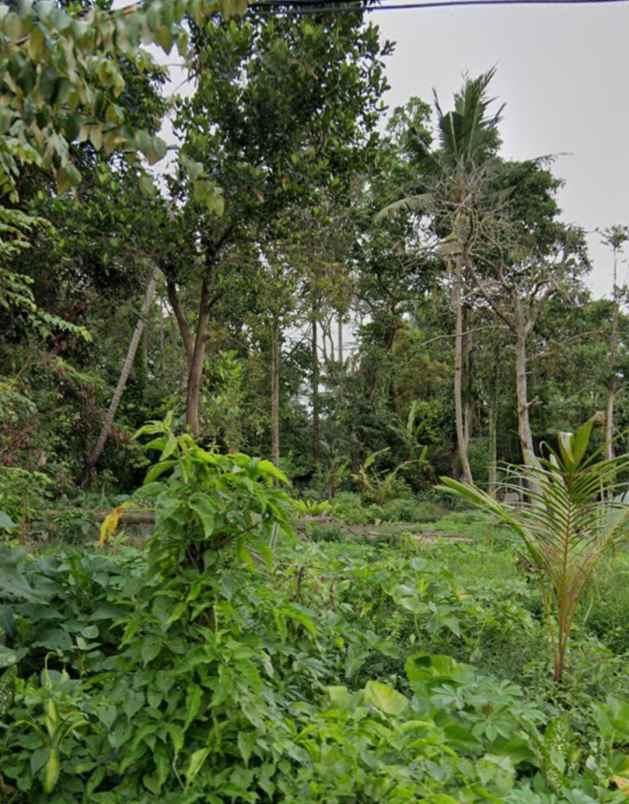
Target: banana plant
<point>571,517</point>
<point>376,486</point>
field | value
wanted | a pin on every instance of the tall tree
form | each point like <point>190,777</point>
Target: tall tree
<point>452,181</point>
<point>275,119</point>
<point>530,257</point>
<point>615,238</point>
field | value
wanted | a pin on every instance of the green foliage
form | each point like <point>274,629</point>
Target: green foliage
<point>24,496</point>
<point>205,501</point>
<point>225,403</point>
<point>312,508</point>
<point>378,486</point>
<point>565,526</point>
<point>326,674</point>
<point>63,82</point>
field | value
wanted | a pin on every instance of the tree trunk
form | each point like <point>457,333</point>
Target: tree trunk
<point>275,395</point>
<point>521,384</point>
<point>492,471</point>
<point>466,377</point>
<point>122,379</point>
<point>316,423</point>
<point>612,383</point>
<point>180,317</point>
<point>609,419</point>
<point>492,427</point>
<point>340,339</point>
<point>195,374</point>
<point>162,338</point>
<point>462,432</point>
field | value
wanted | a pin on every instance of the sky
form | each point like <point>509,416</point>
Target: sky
<point>563,73</point>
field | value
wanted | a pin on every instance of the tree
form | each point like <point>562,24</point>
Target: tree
<point>63,79</point>
<point>565,528</point>
<point>452,181</point>
<point>615,238</point>
<point>95,454</point>
<point>533,258</point>
<point>276,119</point>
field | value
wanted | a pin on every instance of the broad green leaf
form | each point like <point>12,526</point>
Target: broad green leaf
<point>6,522</point>
<point>340,697</point>
<point>206,512</point>
<point>151,647</point>
<point>8,657</point>
<point>246,744</point>
<point>385,698</point>
<point>197,760</point>
<point>194,697</point>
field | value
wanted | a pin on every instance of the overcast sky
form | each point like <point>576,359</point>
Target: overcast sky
<point>564,75</point>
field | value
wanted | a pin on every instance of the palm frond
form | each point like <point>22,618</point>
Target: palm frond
<point>568,520</point>
<point>424,202</point>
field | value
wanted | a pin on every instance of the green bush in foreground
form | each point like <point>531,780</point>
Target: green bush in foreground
<point>206,669</point>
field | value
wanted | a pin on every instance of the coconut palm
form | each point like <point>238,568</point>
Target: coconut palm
<point>452,180</point>
<point>571,518</point>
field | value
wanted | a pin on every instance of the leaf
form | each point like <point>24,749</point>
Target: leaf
<point>194,697</point>
<point>269,469</point>
<point>150,649</point>
<point>8,657</point>
<point>147,185</point>
<point>156,471</point>
<point>6,523</point>
<point>177,735</point>
<point>56,639</point>
<point>197,761</point>
<point>134,701</point>
<point>246,743</point>
<point>385,698</point>
<point>208,193</point>
<point>414,203</point>
<point>13,584</point>
<point>340,697</point>
<point>38,760</point>
<point>201,505</point>
<point>109,525</point>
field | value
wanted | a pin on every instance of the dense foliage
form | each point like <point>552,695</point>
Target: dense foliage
<point>206,669</point>
<point>365,302</point>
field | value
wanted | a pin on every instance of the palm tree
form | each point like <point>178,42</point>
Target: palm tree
<point>615,238</point>
<point>452,180</point>
<point>572,517</point>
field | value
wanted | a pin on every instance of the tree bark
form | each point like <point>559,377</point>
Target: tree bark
<point>466,377</point>
<point>612,383</point>
<point>340,339</point>
<point>275,395</point>
<point>195,374</point>
<point>492,425</point>
<point>492,470</point>
<point>105,432</point>
<point>180,317</point>
<point>523,328</point>
<point>162,338</point>
<point>462,432</point>
<point>316,423</point>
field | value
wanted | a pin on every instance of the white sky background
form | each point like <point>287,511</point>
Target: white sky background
<point>562,71</point>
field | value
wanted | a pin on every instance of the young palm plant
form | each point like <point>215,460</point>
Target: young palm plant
<point>571,517</point>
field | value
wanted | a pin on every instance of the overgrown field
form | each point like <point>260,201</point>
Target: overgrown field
<point>350,667</point>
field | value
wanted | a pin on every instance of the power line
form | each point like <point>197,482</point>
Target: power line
<point>300,7</point>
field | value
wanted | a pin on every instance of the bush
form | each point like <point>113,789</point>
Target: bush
<point>226,664</point>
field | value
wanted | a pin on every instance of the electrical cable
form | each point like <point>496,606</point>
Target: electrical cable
<point>316,7</point>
